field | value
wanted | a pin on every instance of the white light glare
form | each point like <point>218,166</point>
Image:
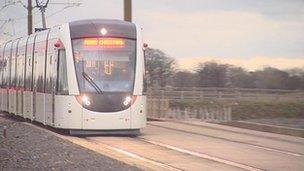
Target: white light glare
<point>127,101</point>
<point>86,100</point>
<point>103,31</point>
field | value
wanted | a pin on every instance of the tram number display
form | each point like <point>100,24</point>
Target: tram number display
<point>108,67</point>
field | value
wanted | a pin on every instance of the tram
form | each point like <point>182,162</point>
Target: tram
<point>84,76</point>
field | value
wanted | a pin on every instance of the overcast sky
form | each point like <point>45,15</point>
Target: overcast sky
<point>249,33</point>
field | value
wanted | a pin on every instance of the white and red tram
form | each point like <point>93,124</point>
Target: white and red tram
<point>84,76</point>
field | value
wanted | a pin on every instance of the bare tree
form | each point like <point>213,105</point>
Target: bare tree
<point>160,67</point>
<point>185,79</point>
<point>271,78</point>
<point>239,77</point>
<point>212,74</point>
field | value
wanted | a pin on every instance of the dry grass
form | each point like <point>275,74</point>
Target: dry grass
<point>242,110</point>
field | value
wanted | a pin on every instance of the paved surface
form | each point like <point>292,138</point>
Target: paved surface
<point>29,148</point>
<point>211,147</point>
<point>287,122</point>
<point>198,146</point>
<point>258,150</point>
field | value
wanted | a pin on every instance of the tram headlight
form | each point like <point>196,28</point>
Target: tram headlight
<point>127,101</point>
<point>86,100</point>
<point>103,31</point>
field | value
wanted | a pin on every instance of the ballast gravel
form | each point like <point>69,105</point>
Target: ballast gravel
<point>28,148</point>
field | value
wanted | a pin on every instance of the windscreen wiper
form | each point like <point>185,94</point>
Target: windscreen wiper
<point>90,80</point>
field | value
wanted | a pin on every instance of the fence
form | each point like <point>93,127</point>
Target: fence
<point>159,108</point>
<point>231,94</point>
<point>159,101</point>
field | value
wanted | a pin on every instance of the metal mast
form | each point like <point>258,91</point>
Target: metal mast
<point>42,4</point>
<point>128,10</point>
<point>29,17</point>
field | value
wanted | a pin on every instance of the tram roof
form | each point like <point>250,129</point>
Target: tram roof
<point>92,28</point>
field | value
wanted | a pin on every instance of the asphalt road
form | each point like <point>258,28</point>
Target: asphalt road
<point>178,146</point>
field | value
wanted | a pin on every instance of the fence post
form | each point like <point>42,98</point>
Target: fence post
<point>178,113</point>
<point>197,112</point>
<point>182,95</point>
<point>225,114</point>
<point>159,108</point>
<point>239,94</point>
<point>201,95</point>
<point>220,94</point>
<point>204,113</point>
<point>162,94</point>
<point>229,114</point>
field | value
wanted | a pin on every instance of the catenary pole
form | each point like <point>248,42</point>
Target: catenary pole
<point>29,17</point>
<point>128,10</point>
<point>42,6</point>
<point>43,18</point>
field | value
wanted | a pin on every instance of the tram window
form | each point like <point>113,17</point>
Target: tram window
<point>12,75</point>
<point>4,72</point>
<point>13,67</point>
<point>1,67</point>
<point>40,65</point>
<point>62,84</point>
<point>28,63</point>
<point>48,79</point>
<point>145,86</point>
<point>20,66</point>
<point>7,54</point>
<point>145,79</point>
<point>110,64</point>
<point>50,72</point>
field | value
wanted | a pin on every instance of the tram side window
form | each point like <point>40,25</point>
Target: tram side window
<point>145,77</point>
<point>51,67</point>
<point>28,72</point>
<point>62,84</point>
<point>7,54</point>
<point>20,67</point>
<point>40,65</point>
<point>4,77</point>
<point>145,85</point>
<point>13,68</point>
<point>1,66</point>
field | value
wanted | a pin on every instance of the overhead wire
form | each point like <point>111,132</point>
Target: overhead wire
<point>12,3</point>
<point>3,24</point>
<point>69,5</point>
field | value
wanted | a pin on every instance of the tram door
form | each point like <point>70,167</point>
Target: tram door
<point>39,77</point>
<point>51,78</point>
<point>12,82</point>
<point>27,94</point>
<point>6,72</point>
<point>20,75</point>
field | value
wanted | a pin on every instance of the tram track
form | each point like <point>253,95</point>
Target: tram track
<point>139,156</point>
<point>93,144</point>
<point>154,162</point>
<point>202,155</point>
<point>231,131</point>
<point>136,156</point>
<point>176,149</point>
<point>91,141</point>
<point>234,141</point>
